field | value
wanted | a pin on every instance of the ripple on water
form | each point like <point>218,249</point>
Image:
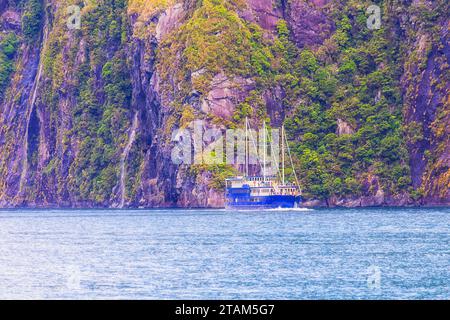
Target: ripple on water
<point>218,254</point>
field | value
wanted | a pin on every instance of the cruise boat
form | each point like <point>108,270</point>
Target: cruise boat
<point>263,190</point>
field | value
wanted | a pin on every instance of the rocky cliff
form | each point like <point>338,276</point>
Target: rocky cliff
<point>87,114</point>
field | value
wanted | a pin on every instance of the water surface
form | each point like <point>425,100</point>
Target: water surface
<point>217,254</point>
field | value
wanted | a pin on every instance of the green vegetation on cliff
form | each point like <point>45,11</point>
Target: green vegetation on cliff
<point>350,81</point>
<point>102,89</point>
<point>366,111</point>
<point>32,19</point>
<point>8,48</point>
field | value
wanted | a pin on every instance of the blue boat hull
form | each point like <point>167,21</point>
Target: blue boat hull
<point>240,198</point>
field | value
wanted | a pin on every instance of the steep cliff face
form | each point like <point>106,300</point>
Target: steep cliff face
<point>426,87</point>
<point>87,115</point>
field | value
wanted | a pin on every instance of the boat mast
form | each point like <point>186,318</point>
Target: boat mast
<point>246,147</point>
<point>292,164</point>
<point>264,151</point>
<point>282,153</point>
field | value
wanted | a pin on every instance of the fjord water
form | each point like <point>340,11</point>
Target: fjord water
<point>216,254</point>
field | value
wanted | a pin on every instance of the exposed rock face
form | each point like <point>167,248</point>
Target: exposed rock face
<point>169,20</point>
<point>264,13</point>
<point>225,94</point>
<point>308,21</point>
<point>343,128</point>
<point>88,116</point>
<point>10,20</point>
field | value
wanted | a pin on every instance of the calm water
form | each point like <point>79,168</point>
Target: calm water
<point>215,254</point>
